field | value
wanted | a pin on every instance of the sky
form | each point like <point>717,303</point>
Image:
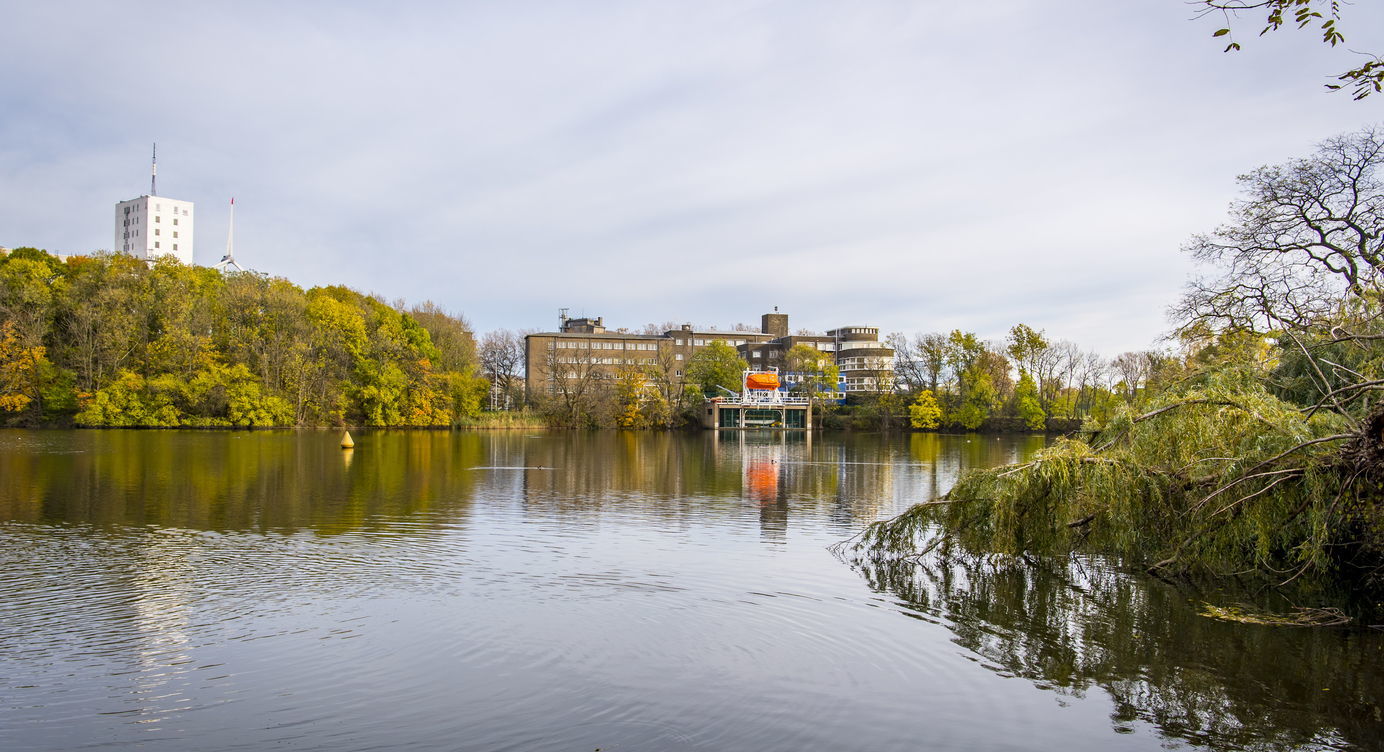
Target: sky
<point>917,166</point>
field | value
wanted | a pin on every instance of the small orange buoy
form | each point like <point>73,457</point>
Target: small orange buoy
<point>346,442</point>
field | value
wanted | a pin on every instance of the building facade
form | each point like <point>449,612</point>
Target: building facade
<point>583,349</point>
<point>151,226</point>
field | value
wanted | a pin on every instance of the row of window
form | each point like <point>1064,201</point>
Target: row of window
<point>880,363</point>
<point>867,384</point>
<point>608,361</point>
<point>607,376</point>
<point>601,345</point>
<point>824,346</point>
<point>705,342</point>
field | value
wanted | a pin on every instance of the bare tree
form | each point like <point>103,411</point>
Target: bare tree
<point>1066,363</point>
<point>931,350</point>
<point>575,389</point>
<point>451,334</point>
<point>908,367</point>
<point>667,326</point>
<point>1307,239</point>
<point>502,361</point>
<point>1131,370</point>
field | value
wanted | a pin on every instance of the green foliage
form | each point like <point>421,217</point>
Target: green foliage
<point>135,344</point>
<point>131,401</point>
<point>630,395</point>
<point>19,371</point>
<point>1026,345</point>
<point>980,398</point>
<point>925,412</point>
<point>817,372</point>
<point>817,376</point>
<point>1324,15</point>
<point>1222,476</point>
<point>718,365</point>
<point>1027,405</point>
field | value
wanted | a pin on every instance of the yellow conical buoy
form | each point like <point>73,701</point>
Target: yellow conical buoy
<point>346,442</point>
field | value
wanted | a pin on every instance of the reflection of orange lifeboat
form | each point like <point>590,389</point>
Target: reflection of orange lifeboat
<point>761,381</point>
<point>761,479</point>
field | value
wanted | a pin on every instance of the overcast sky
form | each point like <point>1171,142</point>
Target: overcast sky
<point>916,166</point>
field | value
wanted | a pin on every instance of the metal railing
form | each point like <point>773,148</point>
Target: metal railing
<point>776,397</point>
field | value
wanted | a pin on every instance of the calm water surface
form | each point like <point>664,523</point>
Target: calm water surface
<point>573,591</point>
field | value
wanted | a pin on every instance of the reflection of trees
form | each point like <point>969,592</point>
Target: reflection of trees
<point>287,480</point>
<point>281,480</point>
<point>848,479</point>
<point>1070,628</point>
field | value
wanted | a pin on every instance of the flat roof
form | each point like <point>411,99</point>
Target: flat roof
<point>606,335</point>
<point>714,333</point>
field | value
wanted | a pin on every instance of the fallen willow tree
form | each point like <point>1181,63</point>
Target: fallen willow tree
<point>1268,461</point>
<point>1222,476</point>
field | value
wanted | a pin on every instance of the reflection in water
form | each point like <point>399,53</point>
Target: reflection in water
<point>161,596</point>
<point>504,590</point>
<point>223,480</point>
<point>1074,626</point>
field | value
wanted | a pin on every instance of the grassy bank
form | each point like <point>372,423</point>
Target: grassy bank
<point>504,420</point>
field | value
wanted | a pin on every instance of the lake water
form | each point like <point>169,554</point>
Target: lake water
<point>584,591</point>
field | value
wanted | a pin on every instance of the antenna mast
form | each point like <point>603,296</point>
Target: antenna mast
<point>228,260</point>
<point>154,172</point>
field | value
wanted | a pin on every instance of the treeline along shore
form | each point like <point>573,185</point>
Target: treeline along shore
<point>110,340</point>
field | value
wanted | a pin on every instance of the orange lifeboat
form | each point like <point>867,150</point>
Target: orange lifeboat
<point>762,381</point>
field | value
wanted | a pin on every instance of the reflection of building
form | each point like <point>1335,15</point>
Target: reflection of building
<point>583,348</point>
<point>764,460</point>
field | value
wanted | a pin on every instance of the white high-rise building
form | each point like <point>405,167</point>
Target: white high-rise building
<point>149,226</point>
